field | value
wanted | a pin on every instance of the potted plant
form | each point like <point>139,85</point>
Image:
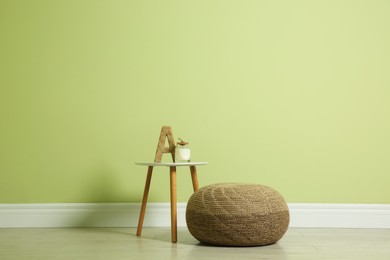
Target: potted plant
<point>182,152</point>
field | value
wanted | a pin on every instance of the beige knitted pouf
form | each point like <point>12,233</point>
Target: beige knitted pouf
<point>230,214</point>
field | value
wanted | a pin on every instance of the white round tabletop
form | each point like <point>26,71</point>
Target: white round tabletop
<point>171,163</point>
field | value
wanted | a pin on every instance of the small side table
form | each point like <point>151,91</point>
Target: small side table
<point>172,170</point>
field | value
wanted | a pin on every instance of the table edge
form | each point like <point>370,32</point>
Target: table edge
<point>171,163</point>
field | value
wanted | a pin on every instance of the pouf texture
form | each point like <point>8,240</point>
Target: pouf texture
<point>232,214</point>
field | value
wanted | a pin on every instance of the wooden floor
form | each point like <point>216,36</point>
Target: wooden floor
<point>122,243</point>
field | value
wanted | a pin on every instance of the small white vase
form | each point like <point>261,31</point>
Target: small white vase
<point>182,154</point>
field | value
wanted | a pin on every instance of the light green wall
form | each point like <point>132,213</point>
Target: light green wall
<point>291,94</point>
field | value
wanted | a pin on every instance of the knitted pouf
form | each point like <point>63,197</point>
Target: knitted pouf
<point>229,214</point>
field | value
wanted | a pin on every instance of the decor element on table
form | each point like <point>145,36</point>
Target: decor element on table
<point>230,214</point>
<point>166,133</point>
<point>182,152</point>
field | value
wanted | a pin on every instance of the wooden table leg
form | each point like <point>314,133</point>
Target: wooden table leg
<point>194,177</point>
<point>144,201</point>
<point>173,204</point>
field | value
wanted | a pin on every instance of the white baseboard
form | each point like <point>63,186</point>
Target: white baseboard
<point>158,214</point>
<point>340,215</point>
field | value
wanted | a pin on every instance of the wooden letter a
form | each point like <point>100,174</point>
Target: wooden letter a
<point>166,132</point>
